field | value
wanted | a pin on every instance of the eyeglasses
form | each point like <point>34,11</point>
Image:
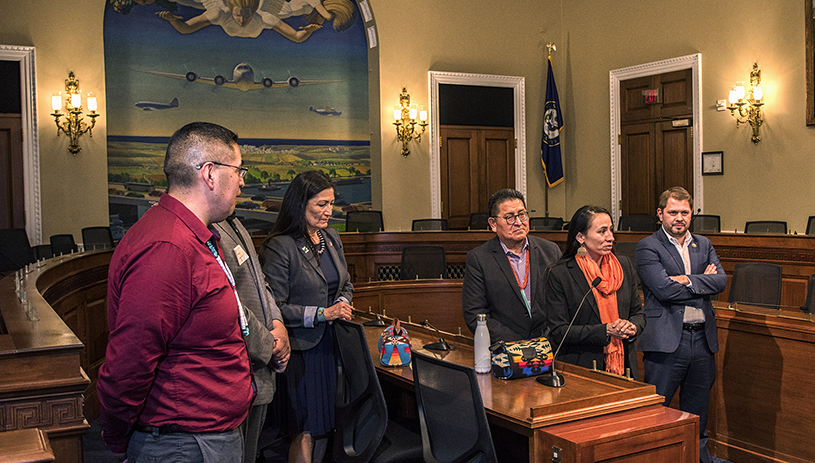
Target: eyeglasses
<point>522,216</point>
<point>242,171</point>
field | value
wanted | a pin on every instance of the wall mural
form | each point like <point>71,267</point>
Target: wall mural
<point>289,77</point>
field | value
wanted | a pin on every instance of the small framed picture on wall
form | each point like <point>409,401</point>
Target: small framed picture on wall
<point>712,163</point>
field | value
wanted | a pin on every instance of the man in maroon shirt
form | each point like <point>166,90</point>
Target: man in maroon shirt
<point>176,382</point>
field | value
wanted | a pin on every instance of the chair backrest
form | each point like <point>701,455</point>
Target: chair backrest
<point>451,413</point>
<point>644,223</point>
<point>43,251</point>
<point>364,221</point>
<point>429,224</point>
<point>756,283</point>
<point>628,249</point>
<point>15,250</point>
<point>705,223</point>
<point>810,301</point>
<point>360,412</point>
<point>97,238</point>
<point>766,227</point>
<point>479,221</point>
<point>811,225</point>
<point>545,223</point>
<point>63,244</point>
<point>423,262</point>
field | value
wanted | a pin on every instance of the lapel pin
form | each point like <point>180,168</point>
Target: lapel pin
<point>305,249</point>
<point>693,245</point>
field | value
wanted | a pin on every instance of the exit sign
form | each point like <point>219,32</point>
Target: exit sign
<point>651,96</point>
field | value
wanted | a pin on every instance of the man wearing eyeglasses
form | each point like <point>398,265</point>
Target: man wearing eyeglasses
<point>504,276</point>
<point>176,383</point>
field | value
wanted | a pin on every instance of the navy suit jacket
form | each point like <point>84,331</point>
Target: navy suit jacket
<point>665,299</point>
<point>490,287</point>
<point>299,286</point>
<point>565,286</point>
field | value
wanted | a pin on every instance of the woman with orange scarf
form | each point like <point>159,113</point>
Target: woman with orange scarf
<point>612,315</point>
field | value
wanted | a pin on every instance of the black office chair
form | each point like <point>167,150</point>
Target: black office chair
<point>429,224</point>
<point>451,413</point>
<point>364,221</point>
<point>766,227</point>
<point>423,262</point>
<point>364,432</point>
<point>63,244</point>
<point>628,249</point>
<point>705,223</point>
<point>809,305</point>
<point>643,223</point>
<point>811,225</point>
<point>545,223</point>
<point>479,221</point>
<point>43,251</point>
<point>756,283</point>
<point>15,250</point>
<point>97,238</point>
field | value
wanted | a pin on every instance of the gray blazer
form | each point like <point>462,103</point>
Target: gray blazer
<point>257,298</point>
<point>299,285</point>
<point>490,287</point>
<point>665,300</point>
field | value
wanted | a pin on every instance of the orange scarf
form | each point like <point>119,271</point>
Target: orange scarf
<point>611,273</point>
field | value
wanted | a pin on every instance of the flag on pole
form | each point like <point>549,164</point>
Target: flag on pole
<point>552,125</point>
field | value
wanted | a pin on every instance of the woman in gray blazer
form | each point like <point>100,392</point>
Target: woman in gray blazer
<point>305,267</point>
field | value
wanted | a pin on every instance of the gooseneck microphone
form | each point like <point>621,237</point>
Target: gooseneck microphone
<point>441,344</point>
<point>556,379</point>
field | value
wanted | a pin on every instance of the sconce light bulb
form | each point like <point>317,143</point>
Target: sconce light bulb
<point>91,102</point>
<point>56,101</point>
<point>413,113</point>
<point>758,93</point>
<point>76,100</point>
<point>739,91</point>
<point>397,113</point>
<point>423,115</point>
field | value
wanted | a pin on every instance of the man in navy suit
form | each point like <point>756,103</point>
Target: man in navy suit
<point>679,273</point>
<point>504,276</point>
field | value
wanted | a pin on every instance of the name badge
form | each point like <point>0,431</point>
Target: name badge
<point>240,254</point>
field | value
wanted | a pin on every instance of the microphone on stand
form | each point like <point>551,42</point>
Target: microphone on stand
<point>556,379</point>
<point>441,344</point>
<point>375,322</point>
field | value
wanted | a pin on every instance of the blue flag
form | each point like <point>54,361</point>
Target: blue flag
<point>552,125</point>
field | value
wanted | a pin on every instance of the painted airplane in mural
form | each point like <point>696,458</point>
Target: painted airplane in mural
<point>151,106</point>
<point>328,111</point>
<point>243,79</point>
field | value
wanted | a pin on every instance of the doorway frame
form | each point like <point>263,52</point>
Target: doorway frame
<point>692,62</point>
<point>31,151</point>
<point>435,78</point>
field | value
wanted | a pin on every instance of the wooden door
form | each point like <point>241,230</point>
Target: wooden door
<point>655,140</point>
<point>12,199</point>
<point>475,162</point>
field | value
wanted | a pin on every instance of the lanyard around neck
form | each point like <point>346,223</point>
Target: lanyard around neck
<point>241,316</point>
<point>526,281</point>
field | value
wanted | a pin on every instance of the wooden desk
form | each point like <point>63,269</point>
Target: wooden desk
<point>594,417</point>
<point>25,446</point>
<point>762,407</point>
<point>42,383</point>
<point>365,252</point>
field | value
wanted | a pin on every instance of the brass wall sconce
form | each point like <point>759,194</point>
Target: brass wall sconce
<point>74,124</point>
<point>746,109</point>
<point>405,115</point>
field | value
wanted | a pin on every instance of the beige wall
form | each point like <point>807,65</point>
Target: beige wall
<point>769,180</point>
